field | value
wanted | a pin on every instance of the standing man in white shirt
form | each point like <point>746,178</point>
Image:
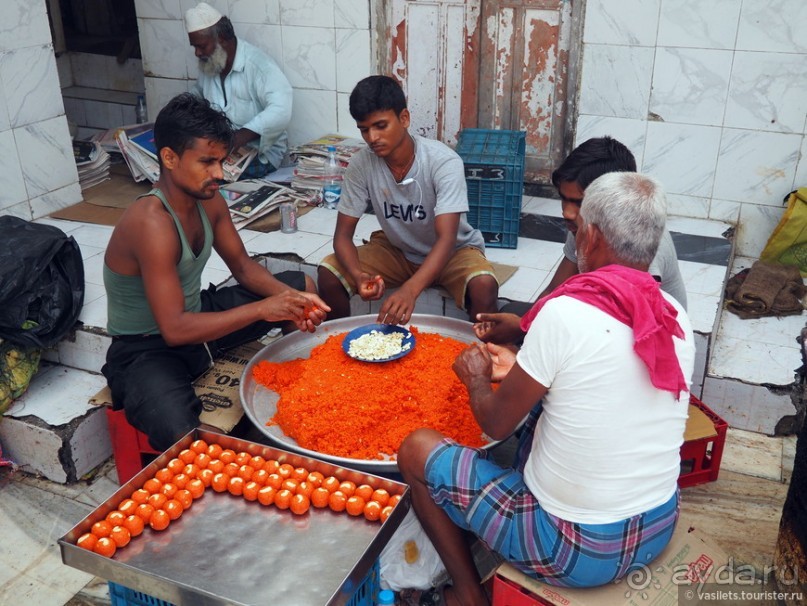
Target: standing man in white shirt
<point>245,83</point>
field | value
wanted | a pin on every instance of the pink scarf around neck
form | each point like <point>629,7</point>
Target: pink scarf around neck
<point>634,298</point>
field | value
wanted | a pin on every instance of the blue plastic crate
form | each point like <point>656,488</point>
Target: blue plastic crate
<point>123,596</point>
<point>494,173</point>
<point>367,591</point>
<point>364,595</point>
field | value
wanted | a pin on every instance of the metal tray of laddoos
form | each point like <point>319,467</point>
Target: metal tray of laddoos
<point>227,550</point>
<point>260,403</point>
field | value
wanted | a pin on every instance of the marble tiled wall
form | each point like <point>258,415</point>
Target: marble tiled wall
<point>37,171</point>
<point>710,96</point>
<point>323,47</point>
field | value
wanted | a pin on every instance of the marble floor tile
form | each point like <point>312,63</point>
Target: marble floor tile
<point>58,395</point>
<point>756,363</point>
<point>323,251</point>
<point>367,225</point>
<point>536,254</point>
<point>94,268</point>
<point>66,226</point>
<point>32,519</point>
<point>318,221</point>
<point>770,331</point>
<point>88,251</point>
<point>541,206</point>
<point>94,313</point>
<point>702,249</point>
<point>698,227</point>
<point>703,311</point>
<point>92,235</point>
<point>753,454</point>
<point>276,243</point>
<point>525,284</point>
<point>92,292</point>
<point>702,278</point>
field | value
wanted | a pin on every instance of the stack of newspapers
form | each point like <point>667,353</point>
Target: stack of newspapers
<point>136,144</point>
<point>253,199</point>
<point>92,163</point>
<point>311,159</point>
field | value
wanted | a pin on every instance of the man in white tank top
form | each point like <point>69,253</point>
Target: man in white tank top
<point>609,358</point>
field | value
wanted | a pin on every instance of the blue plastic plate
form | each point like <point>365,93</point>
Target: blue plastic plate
<point>386,329</point>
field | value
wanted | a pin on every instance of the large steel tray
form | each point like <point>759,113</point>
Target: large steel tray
<point>226,550</point>
<point>260,403</point>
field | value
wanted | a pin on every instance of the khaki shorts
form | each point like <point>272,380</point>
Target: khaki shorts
<point>380,257</point>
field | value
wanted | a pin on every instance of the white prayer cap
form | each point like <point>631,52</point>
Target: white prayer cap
<point>201,17</point>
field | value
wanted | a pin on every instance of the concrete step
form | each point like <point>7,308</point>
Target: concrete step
<point>52,430</point>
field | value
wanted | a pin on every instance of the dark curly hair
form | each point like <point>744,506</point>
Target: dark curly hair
<point>187,117</point>
<point>592,159</point>
<point>374,94</point>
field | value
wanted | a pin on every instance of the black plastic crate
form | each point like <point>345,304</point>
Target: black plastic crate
<point>494,173</point>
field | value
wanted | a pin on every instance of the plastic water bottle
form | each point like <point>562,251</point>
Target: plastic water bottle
<point>385,597</point>
<point>332,190</point>
<point>140,110</point>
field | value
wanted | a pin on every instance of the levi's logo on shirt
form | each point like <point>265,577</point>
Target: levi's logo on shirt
<point>407,213</point>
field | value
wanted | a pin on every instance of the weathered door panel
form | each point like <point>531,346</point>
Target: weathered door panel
<point>506,64</point>
<point>430,51</point>
<point>525,86</point>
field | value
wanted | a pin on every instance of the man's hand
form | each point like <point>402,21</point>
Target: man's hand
<point>473,364</point>
<point>503,358</point>
<point>398,307</point>
<point>243,136</point>
<point>498,328</point>
<point>314,314</point>
<point>305,310</point>
<point>371,288</point>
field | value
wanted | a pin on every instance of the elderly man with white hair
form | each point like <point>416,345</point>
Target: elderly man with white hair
<point>245,83</point>
<point>609,356</point>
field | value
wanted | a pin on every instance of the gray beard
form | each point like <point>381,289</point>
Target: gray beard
<point>215,63</point>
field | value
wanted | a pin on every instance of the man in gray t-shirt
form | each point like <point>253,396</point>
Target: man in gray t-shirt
<point>417,190</point>
<point>589,160</point>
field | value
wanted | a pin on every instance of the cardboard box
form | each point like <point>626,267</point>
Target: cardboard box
<point>218,388</point>
<point>690,558</point>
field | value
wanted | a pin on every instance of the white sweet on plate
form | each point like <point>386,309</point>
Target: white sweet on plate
<point>376,345</point>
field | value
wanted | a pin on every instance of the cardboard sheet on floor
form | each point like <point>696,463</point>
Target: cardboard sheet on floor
<point>218,388</point>
<point>104,204</point>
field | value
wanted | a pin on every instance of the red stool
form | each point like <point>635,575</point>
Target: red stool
<point>128,445</point>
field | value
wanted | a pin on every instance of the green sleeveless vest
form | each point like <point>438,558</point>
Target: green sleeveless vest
<point>128,311</point>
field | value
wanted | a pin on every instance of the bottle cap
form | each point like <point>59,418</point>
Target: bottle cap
<point>386,596</point>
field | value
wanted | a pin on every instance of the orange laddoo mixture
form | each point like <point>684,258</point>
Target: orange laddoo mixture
<point>333,404</point>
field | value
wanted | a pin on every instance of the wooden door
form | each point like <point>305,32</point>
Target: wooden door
<point>499,64</point>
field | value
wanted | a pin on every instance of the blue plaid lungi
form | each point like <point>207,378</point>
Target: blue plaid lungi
<point>495,504</point>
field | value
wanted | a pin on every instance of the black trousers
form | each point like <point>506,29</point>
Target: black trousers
<point>153,383</point>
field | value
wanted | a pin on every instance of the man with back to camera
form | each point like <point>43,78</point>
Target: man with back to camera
<point>417,190</point>
<point>594,489</point>
<point>166,330</point>
<point>245,83</point>
<point>591,159</point>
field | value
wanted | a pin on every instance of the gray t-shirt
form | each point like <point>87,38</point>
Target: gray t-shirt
<point>406,213</point>
<point>664,265</point>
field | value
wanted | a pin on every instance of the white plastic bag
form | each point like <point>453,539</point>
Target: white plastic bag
<point>410,561</point>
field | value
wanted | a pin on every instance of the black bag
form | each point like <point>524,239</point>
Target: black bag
<point>41,281</point>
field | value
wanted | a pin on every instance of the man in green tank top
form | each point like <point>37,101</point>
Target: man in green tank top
<point>166,330</point>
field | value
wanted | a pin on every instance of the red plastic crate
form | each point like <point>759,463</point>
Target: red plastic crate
<point>508,593</point>
<point>700,459</point>
<point>130,447</point>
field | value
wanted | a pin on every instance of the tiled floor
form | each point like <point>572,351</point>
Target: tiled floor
<point>741,510</point>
